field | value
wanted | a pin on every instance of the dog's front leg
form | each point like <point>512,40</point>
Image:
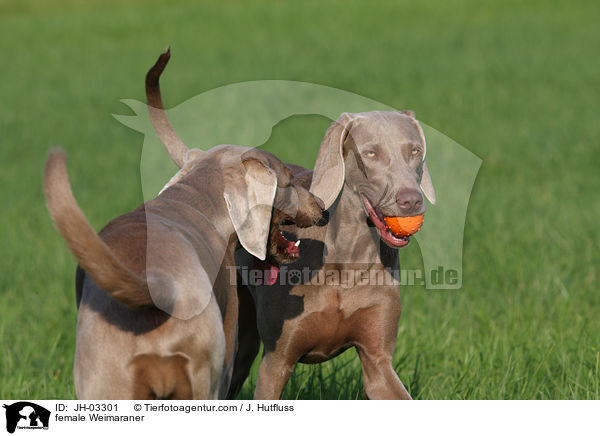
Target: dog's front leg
<point>273,374</point>
<point>248,341</point>
<point>375,346</point>
<point>380,380</point>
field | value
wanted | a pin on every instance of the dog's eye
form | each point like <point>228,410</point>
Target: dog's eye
<point>370,153</point>
<point>415,151</point>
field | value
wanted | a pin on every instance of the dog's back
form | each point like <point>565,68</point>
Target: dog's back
<point>127,348</point>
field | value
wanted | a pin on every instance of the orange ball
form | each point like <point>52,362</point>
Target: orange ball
<point>404,225</point>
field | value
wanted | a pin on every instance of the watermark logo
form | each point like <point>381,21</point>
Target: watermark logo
<point>245,114</point>
<point>290,276</point>
<point>25,415</point>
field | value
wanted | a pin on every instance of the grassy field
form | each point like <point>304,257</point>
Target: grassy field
<point>517,83</point>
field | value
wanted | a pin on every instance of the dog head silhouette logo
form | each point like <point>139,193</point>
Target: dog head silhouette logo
<point>26,415</point>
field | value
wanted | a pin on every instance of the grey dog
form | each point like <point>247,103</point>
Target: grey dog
<point>370,166</point>
<point>158,316</point>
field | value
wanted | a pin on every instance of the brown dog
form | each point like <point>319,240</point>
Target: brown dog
<point>157,310</point>
<point>370,165</point>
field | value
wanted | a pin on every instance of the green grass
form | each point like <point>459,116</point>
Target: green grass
<point>515,82</point>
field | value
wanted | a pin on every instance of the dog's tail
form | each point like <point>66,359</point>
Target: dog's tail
<point>91,252</point>
<point>175,146</point>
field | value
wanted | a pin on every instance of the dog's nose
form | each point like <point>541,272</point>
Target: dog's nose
<point>323,219</point>
<point>410,201</point>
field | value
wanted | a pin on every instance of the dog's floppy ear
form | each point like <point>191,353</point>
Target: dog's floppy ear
<point>329,171</point>
<point>250,202</point>
<point>427,185</point>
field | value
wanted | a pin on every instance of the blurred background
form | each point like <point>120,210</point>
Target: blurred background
<point>516,83</point>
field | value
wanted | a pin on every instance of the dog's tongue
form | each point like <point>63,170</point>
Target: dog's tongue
<point>289,247</point>
<point>292,247</point>
<point>270,272</point>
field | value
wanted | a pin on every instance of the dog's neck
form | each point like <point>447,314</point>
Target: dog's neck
<point>196,215</point>
<point>194,191</point>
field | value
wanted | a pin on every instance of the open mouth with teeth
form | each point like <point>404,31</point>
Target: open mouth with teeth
<point>288,251</point>
<point>377,218</point>
<point>280,250</point>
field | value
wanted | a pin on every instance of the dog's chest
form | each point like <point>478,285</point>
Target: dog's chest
<point>335,318</point>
